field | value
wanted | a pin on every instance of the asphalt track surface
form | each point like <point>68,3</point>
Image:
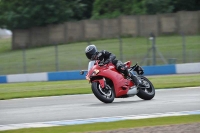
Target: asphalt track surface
<point>72,107</point>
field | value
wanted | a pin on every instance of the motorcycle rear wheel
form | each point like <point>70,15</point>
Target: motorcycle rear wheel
<point>147,92</point>
<point>105,95</point>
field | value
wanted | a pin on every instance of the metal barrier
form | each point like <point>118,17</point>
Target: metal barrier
<point>75,75</point>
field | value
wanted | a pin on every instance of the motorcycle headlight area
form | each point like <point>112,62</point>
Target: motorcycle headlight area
<point>95,72</point>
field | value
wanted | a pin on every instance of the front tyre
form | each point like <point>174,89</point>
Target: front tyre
<point>147,92</point>
<point>105,95</point>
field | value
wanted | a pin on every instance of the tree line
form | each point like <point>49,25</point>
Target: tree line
<point>22,14</point>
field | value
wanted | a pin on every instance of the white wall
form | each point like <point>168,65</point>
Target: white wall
<point>188,68</point>
<point>27,77</point>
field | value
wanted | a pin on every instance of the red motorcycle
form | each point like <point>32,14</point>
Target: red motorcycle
<point>107,83</point>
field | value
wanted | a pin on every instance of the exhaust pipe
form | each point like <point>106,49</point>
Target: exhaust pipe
<point>132,91</point>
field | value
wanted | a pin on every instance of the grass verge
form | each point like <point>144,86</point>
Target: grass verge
<point>37,89</point>
<point>112,125</point>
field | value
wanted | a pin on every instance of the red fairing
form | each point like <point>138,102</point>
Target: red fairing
<point>121,85</point>
<point>102,83</point>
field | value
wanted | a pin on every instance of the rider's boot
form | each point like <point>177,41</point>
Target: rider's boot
<point>135,80</point>
<point>126,73</point>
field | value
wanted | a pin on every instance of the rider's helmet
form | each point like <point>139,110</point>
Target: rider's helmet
<point>90,52</point>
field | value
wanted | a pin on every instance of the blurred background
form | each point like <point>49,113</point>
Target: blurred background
<point>51,35</point>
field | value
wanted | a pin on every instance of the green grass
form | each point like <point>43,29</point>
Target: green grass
<point>176,81</point>
<point>5,45</point>
<point>33,89</point>
<point>112,125</point>
<point>72,57</point>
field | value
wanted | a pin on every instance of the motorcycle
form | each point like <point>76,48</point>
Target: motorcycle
<point>107,83</point>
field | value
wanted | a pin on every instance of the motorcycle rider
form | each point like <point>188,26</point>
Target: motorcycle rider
<point>106,57</point>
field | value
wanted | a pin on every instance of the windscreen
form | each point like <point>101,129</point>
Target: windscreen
<point>90,65</point>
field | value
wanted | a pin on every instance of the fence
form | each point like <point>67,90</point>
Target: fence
<point>151,50</point>
<point>187,22</point>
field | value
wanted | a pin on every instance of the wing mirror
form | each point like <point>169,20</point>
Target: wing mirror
<point>81,72</point>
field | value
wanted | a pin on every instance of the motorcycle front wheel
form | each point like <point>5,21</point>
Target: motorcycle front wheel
<point>105,95</point>
<point>148,91</point>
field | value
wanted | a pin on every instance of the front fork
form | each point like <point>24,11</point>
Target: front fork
<point>135,80</point>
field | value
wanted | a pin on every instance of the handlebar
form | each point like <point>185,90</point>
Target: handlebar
<point>101,63</point>
<point>138,69</point>
<point>133,67</point>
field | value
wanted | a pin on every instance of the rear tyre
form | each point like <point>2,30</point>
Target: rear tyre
<point>105,95</point>
<point>148,91</point>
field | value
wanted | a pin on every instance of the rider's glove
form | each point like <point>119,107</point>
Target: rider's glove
<point>107,61</point>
